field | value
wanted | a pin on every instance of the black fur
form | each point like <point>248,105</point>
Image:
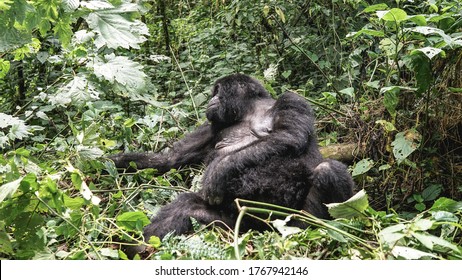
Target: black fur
<point>255,148</point>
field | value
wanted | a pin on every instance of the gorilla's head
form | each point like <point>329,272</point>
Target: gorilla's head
<point>232,97</point>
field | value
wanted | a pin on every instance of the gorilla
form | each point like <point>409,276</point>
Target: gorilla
<point>254,147</point>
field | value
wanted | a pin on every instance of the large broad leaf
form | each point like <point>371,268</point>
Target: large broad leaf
<point>420,63</point>
<point>115,29</point>
<point>132,221</point>
<point>18,128</point>
<point>429,241</point>
<point>395,15</point>
<point>406,143</point>
<point>78,91</point>
<point>11,39</point>
<point>353,207</point>
<point>446,204</point>
<point>122,72</point>
<point>9,189</point>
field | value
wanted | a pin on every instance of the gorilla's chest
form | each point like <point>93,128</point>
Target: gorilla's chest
<point>235,138</point>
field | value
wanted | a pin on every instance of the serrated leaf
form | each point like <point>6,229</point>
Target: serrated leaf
<point>63,30</point>
<point>132,221</point>
<point>78,91</point>
<point>353,207</point>
<point>97,5</point>
<point>18,128</point>
<point>11,39</point>
<point>70,5</point>
<point>122,71</point>
<point>114,30</point>
<point>406,143</point>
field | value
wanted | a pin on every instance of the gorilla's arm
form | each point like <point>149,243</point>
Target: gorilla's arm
<point>292,134</point>
<point>192,149</point>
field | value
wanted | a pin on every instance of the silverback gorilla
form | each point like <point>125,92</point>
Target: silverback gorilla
<point>254,147</point>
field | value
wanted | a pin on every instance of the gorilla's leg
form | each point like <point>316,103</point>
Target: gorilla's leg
<point>176,215</point>
<point>331,183</point>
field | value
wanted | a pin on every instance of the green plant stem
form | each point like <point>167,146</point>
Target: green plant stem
<point>186,83</point>
<point>72,225</point>
<point>284,211</point>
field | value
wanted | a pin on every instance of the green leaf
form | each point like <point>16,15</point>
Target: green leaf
<point>89,153</point>
<point>429,241</point>
<point>362,167</point>
<point>280,13</point>
<point>446,204</point>
<point>419,20</point>
<point>391,99</point>
<point>132,221</point>
<point>110,253</point>
<point>63,30</point>
<point>17,127</point>
<point>422,225</point>
<point>121,71</point>
<point>77,92</point>
<point>114,30</point>
<point>353,207</point>
<point>348,91</point>
<point>4,68</point>
<point>154,241</point>
<point>430,52</point>
<point>410,253</point>
<point>377,7</point>
<point>406,143</point>
<point>388,126</point>
<point>8,189</point>
<point>421,65</point>
<point>336,236</point>
<point>395,15</point>
<point>392,234</point>
<point>73,203</point>
<point>431,192</point>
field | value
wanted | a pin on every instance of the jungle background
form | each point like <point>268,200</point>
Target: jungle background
<point>83,79</point>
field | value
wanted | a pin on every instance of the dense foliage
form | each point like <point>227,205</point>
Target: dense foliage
<point>82,79</point>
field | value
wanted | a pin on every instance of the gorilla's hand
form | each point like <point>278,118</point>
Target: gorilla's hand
<point>215,179</point>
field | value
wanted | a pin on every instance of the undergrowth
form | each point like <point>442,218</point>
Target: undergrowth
<point>83,79</point>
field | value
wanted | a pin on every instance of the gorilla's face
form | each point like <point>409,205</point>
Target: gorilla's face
<point>232,97</point>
